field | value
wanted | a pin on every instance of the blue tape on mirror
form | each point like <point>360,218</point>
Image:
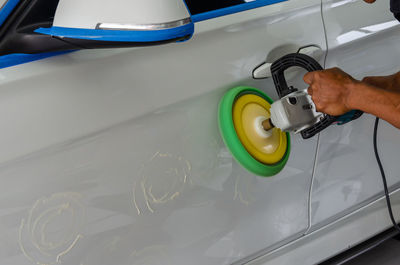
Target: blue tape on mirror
<point>6,10</point>
<point>120,35</point>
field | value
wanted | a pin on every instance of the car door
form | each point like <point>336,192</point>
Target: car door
<point>114,156</point>
<point>347,176</point>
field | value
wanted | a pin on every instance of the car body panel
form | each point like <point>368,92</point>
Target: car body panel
<point>338,236</point>
<point>347,175</point>
<point>114,156</point>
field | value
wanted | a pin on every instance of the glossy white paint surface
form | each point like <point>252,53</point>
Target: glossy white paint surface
<point>114,156</point>
<point>336,237</point>
<point>347,176</point>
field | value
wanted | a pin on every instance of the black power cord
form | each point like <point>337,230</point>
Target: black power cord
<point>389,205</point>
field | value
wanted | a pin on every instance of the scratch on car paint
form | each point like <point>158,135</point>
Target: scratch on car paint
<point>142,184</point>
<point>134,199</point>
<point>243,190</point>
<point>69,248</point>
<point>161,180</point>
<point>59,216</point>
<point>238,194</point>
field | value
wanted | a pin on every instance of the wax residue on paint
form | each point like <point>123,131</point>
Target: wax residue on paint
<point>161,180</point>
<point>52,228</point>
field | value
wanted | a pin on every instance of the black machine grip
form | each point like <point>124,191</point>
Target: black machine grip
<point>310,64</point>
<point>279,67</point>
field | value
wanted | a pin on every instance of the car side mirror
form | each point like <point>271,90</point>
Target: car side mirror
<point>45,26</point>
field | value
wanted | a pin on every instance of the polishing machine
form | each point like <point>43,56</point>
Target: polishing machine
<point>256,130</point>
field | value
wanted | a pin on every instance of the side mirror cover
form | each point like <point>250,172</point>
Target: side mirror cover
<point>120,23</point>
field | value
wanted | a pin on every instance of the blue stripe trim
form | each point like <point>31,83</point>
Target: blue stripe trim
<point>21,58</point>
<point>233,9</point>
<point>119,35</point>
<point>7,9</point>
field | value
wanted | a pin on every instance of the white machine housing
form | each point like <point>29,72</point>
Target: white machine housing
<point>294,112</point>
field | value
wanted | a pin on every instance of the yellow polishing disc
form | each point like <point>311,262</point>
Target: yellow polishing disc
<point>249,111</point>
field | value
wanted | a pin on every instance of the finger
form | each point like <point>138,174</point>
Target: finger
<point>308,78</point>
<point>310,91</point>
<point>314,87</point>
<point>317,107</point>
<point>316,102</point>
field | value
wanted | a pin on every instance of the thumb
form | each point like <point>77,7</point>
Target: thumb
<point>309,77</point>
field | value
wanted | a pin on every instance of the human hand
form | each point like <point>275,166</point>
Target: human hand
<point>330,90</point>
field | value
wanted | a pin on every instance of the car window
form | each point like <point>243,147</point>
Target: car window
<point>208,9</point>
<point>201,6</point>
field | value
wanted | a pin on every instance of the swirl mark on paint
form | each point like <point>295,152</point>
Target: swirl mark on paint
<point>161,180</point>
<point>52,228</point>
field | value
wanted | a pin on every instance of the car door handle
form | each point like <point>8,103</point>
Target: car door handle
<point>264,70</point>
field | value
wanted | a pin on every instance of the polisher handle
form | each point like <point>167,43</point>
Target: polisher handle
<point>310,64</point>
<point>279,67</point>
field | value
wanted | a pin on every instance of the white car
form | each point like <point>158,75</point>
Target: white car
<point>113,156</point>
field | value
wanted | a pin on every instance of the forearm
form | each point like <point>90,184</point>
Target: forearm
<point>382,103</point>
<point>390,82</point>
